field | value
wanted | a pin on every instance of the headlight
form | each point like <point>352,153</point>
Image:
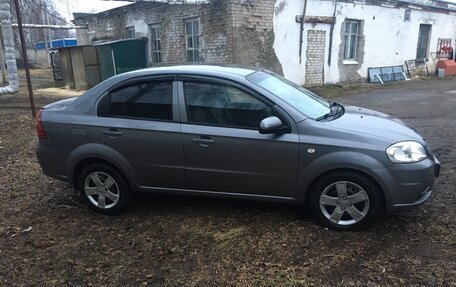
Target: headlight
<point>406,152</point>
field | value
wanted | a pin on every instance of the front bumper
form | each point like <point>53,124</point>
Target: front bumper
<point>407,186</point>
<point>420,200</point>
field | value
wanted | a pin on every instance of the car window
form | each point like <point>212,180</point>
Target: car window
<point>301,99</point>
<point>145,100</point>
<point>223,105</point>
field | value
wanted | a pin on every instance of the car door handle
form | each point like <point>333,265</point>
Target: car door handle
<point>203,140</point>
<point>112,133</point>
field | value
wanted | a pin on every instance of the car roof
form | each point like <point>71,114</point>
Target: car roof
<point>205,70</point>
<point>239,70</point>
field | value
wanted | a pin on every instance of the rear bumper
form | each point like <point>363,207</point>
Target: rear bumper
<point>49,163</point>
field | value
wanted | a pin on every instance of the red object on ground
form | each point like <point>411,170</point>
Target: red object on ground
<point>448,65</point>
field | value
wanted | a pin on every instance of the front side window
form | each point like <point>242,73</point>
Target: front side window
<point>143,100</point>
<point>192,40</point>
<point>223,105</point>
<point>351,39</point>
<point>155,45</point>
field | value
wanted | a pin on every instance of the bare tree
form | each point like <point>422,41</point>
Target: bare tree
<point>40,12</point>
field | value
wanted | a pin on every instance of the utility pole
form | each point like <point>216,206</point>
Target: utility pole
<point>45,31</point>
<point>24,54</point>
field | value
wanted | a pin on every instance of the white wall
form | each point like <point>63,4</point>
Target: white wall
<point>388,39</point>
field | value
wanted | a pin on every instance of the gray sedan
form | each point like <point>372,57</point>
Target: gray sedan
<point>233,132</point>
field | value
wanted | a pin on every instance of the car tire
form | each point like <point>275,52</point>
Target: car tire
<point>104,189</point>
<point>345,200</point>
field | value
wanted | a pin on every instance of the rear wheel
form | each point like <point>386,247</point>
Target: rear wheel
<point>345,201</point>
<point>104,189</point>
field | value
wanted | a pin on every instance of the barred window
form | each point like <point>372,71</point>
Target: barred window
<point>131,32</point>
<point>155,45</point>
<point>192,40</point>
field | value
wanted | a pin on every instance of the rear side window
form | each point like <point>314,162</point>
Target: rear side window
<point>143,100</point>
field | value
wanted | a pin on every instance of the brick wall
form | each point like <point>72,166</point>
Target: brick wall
<point>315,57</point>
<point>231,31</point>
<point>252,34</point>
<point>111,25</point>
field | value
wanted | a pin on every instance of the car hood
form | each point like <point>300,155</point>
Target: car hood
<point>376,124</point>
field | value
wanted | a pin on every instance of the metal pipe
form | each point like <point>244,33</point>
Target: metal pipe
<point>301,37</point>
<point>41,26</point>
<point>331,32</point>
<point>10,56</point>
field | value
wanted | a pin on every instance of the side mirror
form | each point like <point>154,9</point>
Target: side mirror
<point>271,125</point>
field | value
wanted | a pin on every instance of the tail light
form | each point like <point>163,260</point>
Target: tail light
<point>39,127</point>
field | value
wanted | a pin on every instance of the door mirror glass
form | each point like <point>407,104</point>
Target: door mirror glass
<point>271,125</point>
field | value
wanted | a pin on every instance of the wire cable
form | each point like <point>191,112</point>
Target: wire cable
<point>51,14</point>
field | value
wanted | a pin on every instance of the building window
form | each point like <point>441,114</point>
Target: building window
<point>155,46</point>
<point>423,42</point>
<point>351,39</point>
<point>131,32</point>
<point>192,37</point>
<point>407,15</point>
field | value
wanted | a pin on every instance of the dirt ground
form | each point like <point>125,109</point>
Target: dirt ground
<point>49,238</point>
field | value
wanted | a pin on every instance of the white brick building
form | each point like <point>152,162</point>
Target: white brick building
<point>370,33</point>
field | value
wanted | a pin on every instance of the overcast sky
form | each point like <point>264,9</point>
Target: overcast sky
<point>68,7</point>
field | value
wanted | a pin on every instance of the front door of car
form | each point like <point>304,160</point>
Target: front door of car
<point>224,151</point>
<point>139,122</point>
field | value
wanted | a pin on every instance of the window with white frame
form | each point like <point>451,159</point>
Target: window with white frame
<point>131,32</point>
<point>155,46</point>
<point>192,40</point>
<point>351,39</point>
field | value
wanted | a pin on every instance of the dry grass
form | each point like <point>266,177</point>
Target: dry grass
<point>49,238</point>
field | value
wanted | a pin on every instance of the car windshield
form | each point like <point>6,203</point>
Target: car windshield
<point>301,99</point>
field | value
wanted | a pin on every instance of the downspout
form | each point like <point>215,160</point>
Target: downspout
<point>301,30</point>
<point>10,55</point>
<point>331,32</point>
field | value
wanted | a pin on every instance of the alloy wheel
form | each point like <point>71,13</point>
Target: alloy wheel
<point>344,203</point>
<point>102,190</point>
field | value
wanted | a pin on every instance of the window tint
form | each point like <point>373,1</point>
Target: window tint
<point>223,105</point>
<point>147,100</point>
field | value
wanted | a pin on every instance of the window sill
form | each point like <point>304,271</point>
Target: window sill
<point>350,62</point>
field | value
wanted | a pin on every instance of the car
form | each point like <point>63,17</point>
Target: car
<point>233,132</point>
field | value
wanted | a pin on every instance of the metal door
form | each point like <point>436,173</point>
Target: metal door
<point>239,160</point>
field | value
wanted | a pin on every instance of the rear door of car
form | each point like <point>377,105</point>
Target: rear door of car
<point>224,150</point>
<point>139,119</point>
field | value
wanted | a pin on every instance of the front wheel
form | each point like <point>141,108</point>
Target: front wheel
<point>104,189</point>
<point>345,201</point>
